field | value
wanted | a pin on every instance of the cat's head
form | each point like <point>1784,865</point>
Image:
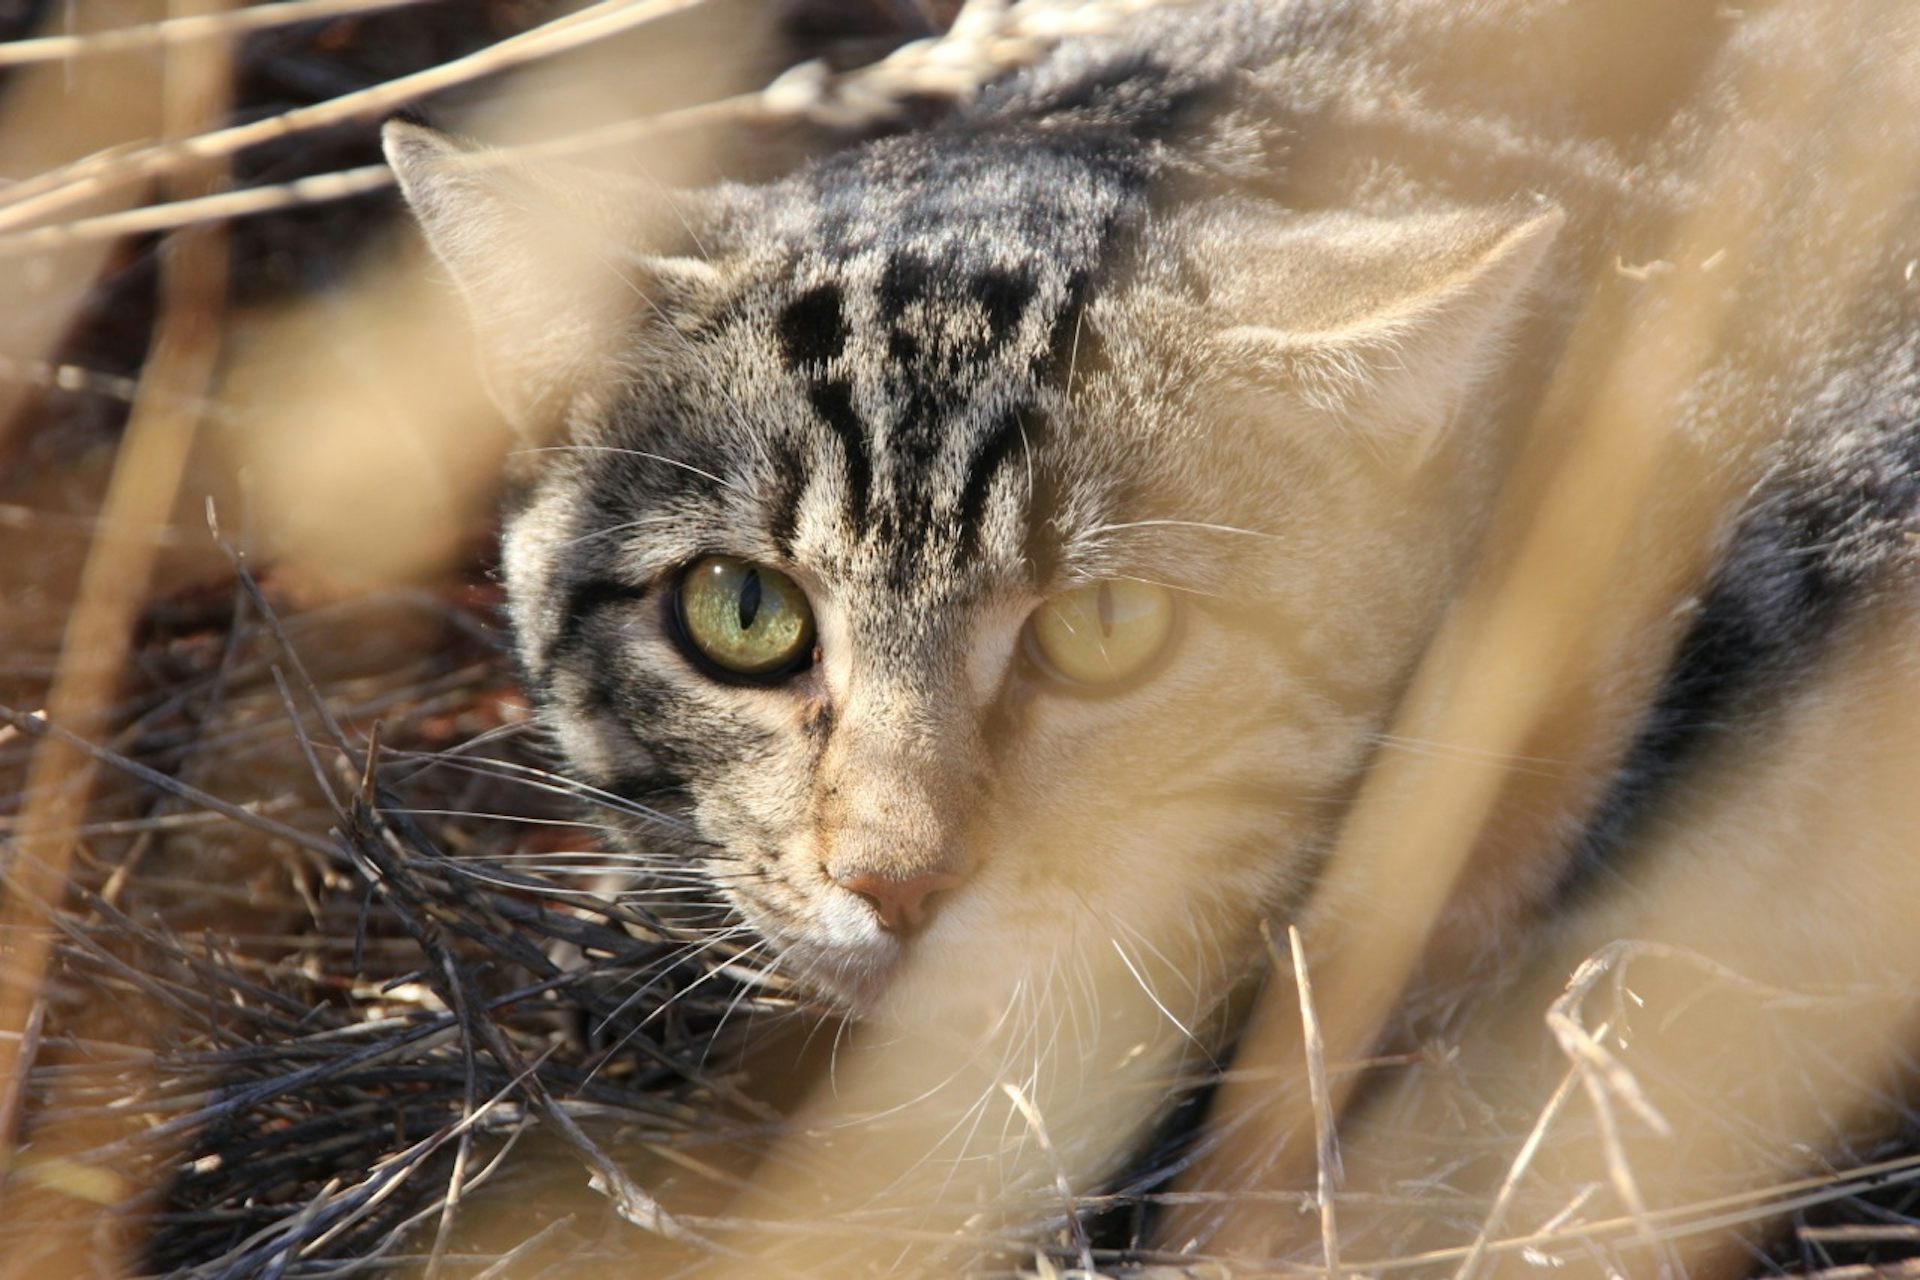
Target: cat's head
<point>975,560</point>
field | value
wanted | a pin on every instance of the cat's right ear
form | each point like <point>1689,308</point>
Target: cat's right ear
<point>1380,328</point>
<point>561,301</point>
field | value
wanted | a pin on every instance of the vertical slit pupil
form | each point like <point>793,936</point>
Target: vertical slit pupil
<point>749,599</point>
<point>1105,599</point>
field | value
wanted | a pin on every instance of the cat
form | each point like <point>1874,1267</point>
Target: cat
<point>1013,537</point>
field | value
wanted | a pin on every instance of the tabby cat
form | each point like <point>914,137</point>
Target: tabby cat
<point>1008,542</point>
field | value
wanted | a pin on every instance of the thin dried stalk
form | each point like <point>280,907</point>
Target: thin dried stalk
<point>206,26</point>
<point>146,480</point>
<point>1326,1142</point>
<point>31,201</point>
<point>955,66</point>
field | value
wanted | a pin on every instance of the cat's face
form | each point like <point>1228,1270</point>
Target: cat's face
<point>970,593</point>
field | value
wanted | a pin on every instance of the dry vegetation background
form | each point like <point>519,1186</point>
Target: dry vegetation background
<point>224,1052</point>
<point>289,890</point>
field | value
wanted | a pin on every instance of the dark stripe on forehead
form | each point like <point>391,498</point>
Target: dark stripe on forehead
<point>813,327</point>
<point>786,487</point>
<point>1073,346</point>
<point>1005,296</point>
<point>1041,547</point>
<point>1074,350</point>
<point>833,401</point>
<point>1017,430</point>
<point>905,280</point>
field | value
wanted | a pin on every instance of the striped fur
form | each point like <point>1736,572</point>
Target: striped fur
<point>1256,302</point>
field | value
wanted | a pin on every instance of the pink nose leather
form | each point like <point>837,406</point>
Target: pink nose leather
<point>902,903</point>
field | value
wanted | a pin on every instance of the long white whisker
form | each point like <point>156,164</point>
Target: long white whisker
<point>1164,1011</point>
<point>546,780</point>
<point>635,453</point>
<point>1202,525</point>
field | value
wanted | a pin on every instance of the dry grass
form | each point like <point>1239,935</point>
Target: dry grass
<point>299,974</point>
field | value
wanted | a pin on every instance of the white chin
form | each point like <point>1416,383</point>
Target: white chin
<point>853,977</point>
<point>894,983</point>
<point>965,989</point>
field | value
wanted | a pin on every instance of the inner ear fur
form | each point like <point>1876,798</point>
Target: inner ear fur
<point>545,259</point>
<point>1381,326</point>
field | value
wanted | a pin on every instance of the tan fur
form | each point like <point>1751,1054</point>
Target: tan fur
<point>1431,480</point>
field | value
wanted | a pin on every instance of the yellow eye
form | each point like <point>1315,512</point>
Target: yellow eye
<point>744,618</point>
<point>1104,632</point>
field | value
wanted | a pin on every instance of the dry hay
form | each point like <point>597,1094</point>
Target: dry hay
<point>324,989</point>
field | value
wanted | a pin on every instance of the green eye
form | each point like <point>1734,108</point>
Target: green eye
<point>745,618</point>
<point>1104,632</point>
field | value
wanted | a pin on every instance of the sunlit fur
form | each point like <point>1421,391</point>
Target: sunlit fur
<point>1008,307</point>
<point>1255,303</point>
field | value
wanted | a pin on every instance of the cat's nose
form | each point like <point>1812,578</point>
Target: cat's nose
<point>901,900</point>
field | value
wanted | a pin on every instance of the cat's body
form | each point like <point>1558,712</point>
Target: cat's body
<point>1257,303</point>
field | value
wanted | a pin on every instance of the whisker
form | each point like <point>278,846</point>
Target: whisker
<point>484,738</point>
<point>676,959</point>
<point>632,453</point>
<point>548,781</point>
<point>1543,766</point>
<point>524,819</point>
<point>1140,978</point>
<point>1201,525</point>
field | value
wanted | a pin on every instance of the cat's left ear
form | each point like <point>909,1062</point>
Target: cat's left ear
<point>1379,327</point>
<point>544,257</point>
